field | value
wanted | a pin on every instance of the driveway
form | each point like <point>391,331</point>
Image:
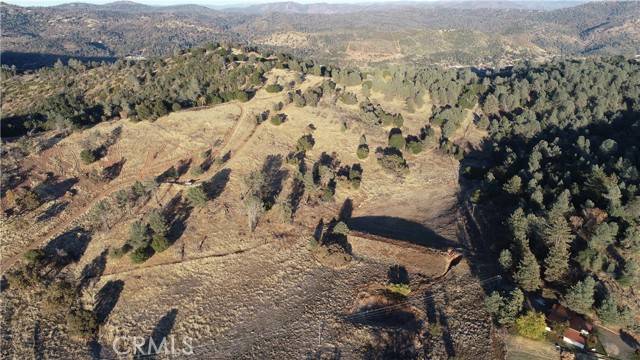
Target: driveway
<point>616,345</point>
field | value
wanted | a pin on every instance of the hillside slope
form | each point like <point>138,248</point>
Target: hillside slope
<point>230,289</point>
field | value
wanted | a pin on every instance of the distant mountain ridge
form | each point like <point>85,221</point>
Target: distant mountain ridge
<point>457,32</point>
<point>336,8</point>
<point>131,6</point>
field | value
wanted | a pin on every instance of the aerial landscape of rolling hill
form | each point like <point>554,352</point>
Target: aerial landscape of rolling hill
<point>379,180</point>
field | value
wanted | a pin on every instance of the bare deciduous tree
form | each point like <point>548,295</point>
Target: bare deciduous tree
<point>255,208</point>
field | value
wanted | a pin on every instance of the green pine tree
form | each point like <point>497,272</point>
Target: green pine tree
<point>608,311</point>
<point>579,297</point>
<point>557,235</point>
<point>157,223</point>
<point>138,235</point>
<point>527,275</point>
<point>557,262</point>
<point>519,225</point>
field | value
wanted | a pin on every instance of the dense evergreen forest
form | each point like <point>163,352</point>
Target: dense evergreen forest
<point>564,166</point>
<point>557,177</point>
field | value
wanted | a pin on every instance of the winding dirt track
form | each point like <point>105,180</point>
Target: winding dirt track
<point>149,169</point>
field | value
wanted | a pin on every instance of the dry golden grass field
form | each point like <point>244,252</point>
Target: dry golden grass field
<point>262,294</point>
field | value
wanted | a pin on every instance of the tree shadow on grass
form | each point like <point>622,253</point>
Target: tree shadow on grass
<point>274,177</point>
<point>52,189</point>
<point>171,174</point>
<point>38,343</point>
<point>94,269</point>
<point>216,185</point>
<point>391,344</point>
<point>389,319</point>
<point>178,220</point>
<point>68,247</point>
<point>170,209</point>
<point>205,165</point>
<point>183,167</point>
<point>53,211</point>
<point>295,197</point>
<point>50,142</point>
<point>446,335</point>
<point>160,332</point>
<point>113,171</point>
<point>226,156</point>
<point>398,274</point>
<point>96,350</point>
<point>317,232</point>
<point>346,211</point>
<point>107,298</point>
<point>629,340</point>
<point>400,229</point>
<point>430,307</point>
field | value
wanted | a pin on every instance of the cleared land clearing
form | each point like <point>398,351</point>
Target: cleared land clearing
<point>292,39</point>
<point>360,50</point>
<point>519,348</point>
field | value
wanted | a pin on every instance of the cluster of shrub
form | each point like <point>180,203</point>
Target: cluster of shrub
<point>273,88</point>
<point>278,119</point>
<point>146,237</point>
<point>391,158</point>
<point>146,90</point>
<point>349,98</point>
<point>297,156</point>
<point>97,145</point>
<point>312,95</point>
<point>448,119</point>
<point>122,201</point>
<point>264,116</point>
<point>374,114</point>
<point>39,276</point>
<point>351,174</point>
<point>261,190</point>
<point>22,200</point>
<point>321,179</point>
